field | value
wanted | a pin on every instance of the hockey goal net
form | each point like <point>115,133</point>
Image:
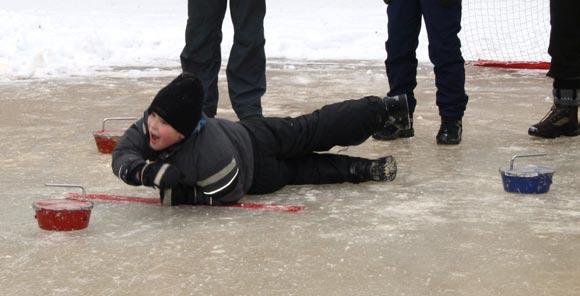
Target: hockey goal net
<point>506,33</point>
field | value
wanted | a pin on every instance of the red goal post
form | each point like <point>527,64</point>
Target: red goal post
<point>506,33</point>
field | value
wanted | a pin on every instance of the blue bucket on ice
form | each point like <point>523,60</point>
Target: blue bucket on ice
<point>527,179</point>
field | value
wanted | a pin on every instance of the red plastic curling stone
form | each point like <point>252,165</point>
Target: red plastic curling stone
<point>62,214</point>
<point>107,140</point>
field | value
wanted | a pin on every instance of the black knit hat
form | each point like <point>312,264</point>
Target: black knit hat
<point>179,103</point>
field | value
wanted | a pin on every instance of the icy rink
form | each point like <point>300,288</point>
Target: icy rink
<point>443,227</point>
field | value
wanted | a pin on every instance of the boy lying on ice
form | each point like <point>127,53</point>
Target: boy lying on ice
<point>193,159</point>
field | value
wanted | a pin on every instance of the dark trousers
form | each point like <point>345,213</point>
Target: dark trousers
<point>246,69</point>
<point>443,23</point>
<point>285,149</point>
<point>565,43</point>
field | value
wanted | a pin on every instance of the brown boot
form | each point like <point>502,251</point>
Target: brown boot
<point>560,121</point>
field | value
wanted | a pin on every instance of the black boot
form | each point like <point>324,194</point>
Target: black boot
<point>450,131</point>
<point>399,121</point>
<point>560,121</point>
<point>382,169</point>
<point>390,132</point>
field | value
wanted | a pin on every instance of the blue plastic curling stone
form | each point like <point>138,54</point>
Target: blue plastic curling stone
<point>526,179</point>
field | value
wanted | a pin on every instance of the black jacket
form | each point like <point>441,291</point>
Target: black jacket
<point>216,161</point>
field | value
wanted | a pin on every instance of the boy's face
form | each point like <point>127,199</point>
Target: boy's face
<point>161,133</point>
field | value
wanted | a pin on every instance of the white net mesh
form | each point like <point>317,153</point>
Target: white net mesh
<point>506,30</point>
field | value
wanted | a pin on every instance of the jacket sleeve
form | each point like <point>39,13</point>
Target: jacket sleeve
<point>221,187</point>
<point>130,153</point>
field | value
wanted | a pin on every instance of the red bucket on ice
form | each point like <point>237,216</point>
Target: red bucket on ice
<point>62,214</point>
<point>107,139</point>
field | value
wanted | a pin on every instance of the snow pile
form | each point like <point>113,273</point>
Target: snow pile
<point>64,38</point>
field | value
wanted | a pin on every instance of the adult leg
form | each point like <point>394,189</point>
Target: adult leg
<point>443,23</point>
<point>246,70</point>
<point>564,45</point>
<point>564,48</point>
<point>404,26</point>
<point>202,54</point>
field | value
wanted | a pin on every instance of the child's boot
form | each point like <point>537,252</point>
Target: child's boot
<point>399,121</point>
<point>562,119</point>
<point>382,169</point>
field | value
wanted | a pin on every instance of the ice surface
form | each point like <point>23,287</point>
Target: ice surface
<point>445,226</point>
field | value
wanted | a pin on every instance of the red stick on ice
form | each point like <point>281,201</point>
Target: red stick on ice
<point>155,201</point>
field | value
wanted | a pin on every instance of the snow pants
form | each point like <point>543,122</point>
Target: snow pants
<point>443,23</point>
<point>565,43</point>
<point>285,149</point>
<point>246,69</point>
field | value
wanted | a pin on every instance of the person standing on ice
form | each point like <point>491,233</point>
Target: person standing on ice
<point>443,23</point>
<point>564,48</point>
<point>193,159</point>
<point>246,69</point>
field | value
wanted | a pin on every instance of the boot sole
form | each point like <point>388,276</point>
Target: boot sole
<point>566,134</point>
<point>391,169</point>
<point>409,133</point>
<point>448,142</point>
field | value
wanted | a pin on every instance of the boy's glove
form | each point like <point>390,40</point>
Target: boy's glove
<point>181,194</point>
<point>160,175</point>
<point>177,195</point>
